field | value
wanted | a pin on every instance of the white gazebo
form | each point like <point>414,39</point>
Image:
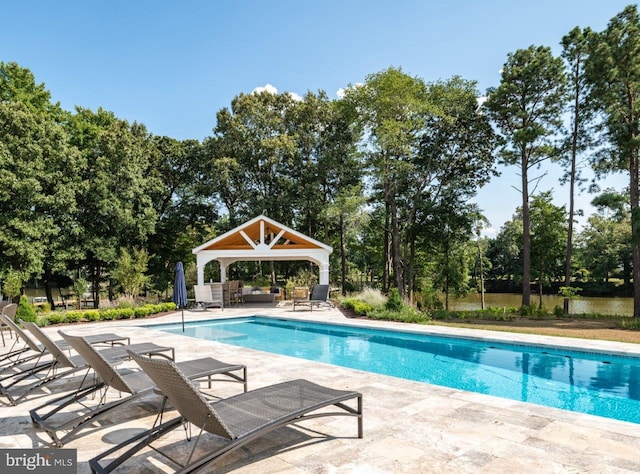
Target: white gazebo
<point>259,239</point>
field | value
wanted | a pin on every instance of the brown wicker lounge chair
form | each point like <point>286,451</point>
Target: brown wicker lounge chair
<point>319,296</point>
<point>20,360</point>
<point>9,310</point>
<point>239,419</point>
<point>20,385</point>
<point>136,384</point>
<point>18,354</point>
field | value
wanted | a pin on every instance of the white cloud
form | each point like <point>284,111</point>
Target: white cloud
<point>273,90</point>
<point>340,92</point>
<point>266,88</point>
<point>489,232</point>
<point>481,100</point>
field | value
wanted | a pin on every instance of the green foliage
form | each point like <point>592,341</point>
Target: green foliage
<point>12,284</point>
<point>394,302</point>
<point>302,278</point>
<point>548,237</point>
<point>53,318</point>
<point>631,324</point>
<point>130,271</point>
<point>569,291</point>
<point>364,302</point>
<point>25,310</point>
<point>348,303</point>
<point>125,313</point>
<point>74,316</point>
<point>124,303</point>
<point>79,289</point>
<point>91,315</point>
<point>527,109</point>
<point>428,299</point>
<point>362,307</point>
<point>406,314</point>
<point>372,296</point>
<point>260,281</point>
<point>109,314</point>
<point>79,187</point>
<point>558,311</point>
<point>489,314</point>
<point>142,311</point>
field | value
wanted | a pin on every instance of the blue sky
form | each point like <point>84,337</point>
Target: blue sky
<point>172,65</point>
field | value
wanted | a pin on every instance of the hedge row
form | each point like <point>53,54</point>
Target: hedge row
<point>105,314</point>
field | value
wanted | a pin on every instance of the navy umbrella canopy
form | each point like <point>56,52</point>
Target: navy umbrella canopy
<point>180,289</point>
<point>179,286</point>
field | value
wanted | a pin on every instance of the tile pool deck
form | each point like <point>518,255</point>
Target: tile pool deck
<point>409,427</point>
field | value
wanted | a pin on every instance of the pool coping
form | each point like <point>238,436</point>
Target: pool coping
<point>589,346</point>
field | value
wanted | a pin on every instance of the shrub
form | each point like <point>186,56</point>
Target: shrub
<point>372,296</point>
<point>124,303</point>
<point>54,318</point>
<point>25,310</point>
<point>362,307</point>
<point>394,302</point>
<point>124,313</point>
<point>558,311</point>
<point>91,315</point>
<point>632,324</point>
<point>143,311</point>
<point>43,308</point>
<point>407,314</point>
<point>109,314</point>
<point>348,303</point>
<point>74,316</point>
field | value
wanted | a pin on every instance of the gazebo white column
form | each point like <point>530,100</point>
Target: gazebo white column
<point>324,273</point>
<point>200,273</point>
<point>223,272</point>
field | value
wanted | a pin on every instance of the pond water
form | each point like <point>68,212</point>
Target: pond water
<point>622,306</point>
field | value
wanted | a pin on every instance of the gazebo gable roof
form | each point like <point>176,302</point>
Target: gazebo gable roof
<point>262,233</point>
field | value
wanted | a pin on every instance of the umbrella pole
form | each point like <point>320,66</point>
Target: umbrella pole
<point>183,319</point>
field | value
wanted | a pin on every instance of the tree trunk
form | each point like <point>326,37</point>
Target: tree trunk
<point>446,276</point>
<point>385,256</point>
<point>635,217</point>
<point>572,181</point>
<point>481,274</point>
<point>343,258</point>
<point>395,250</point>
<point>410,274</point>
<point>540,290</point>
<point>526,236</point>
<point>46,281</point>
<point>95,286</point>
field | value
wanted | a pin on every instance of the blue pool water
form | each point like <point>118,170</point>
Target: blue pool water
<point>598,384</point>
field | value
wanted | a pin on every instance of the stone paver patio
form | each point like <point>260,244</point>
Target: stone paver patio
<point>409,427</point>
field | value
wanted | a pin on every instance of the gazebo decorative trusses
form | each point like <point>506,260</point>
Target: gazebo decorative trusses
<point>259,239</point>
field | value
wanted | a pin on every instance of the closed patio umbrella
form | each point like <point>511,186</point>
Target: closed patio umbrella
<point>180,289</point>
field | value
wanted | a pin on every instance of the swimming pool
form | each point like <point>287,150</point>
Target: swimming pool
<point>585,382</point>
